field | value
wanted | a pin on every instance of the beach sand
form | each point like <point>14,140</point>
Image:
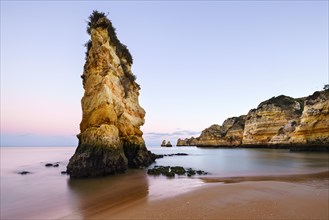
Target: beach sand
<point>278,197</point>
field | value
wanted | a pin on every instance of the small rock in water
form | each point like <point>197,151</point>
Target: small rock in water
<point>170,155</point>
<point>171,171</point>
<point>63,172</point>
<point>178,170</point>
<point>52,165</point>
<point>201,172</point>
<point>24,172</point>
<point>190,172</point>
<point>180,154</point>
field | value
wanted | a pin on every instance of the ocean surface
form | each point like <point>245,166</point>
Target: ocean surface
<point>48,194</point>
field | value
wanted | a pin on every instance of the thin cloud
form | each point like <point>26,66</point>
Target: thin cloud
<point>176,133</point>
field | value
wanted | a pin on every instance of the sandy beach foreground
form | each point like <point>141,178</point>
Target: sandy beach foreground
<point>293,197</point>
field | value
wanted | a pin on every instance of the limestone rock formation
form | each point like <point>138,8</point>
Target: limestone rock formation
<point>163,144</point>
<point>270,119</point>
<point>228,134</point>
<point>281,121</point>
<point>187,142</point>
<point>181,142</point>
<point>168,144</point>
<point>313,128</point>
<point>193,141</point>
<point>110,138</point>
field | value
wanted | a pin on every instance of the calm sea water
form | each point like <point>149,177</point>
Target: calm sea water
<point>47,194</point>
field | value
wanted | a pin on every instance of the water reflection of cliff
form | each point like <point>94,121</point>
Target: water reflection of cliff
<point>94,197</point>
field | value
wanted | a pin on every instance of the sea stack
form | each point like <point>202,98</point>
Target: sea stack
<point>168,144</point>
<point>110,139</point>
<point>163,144</point>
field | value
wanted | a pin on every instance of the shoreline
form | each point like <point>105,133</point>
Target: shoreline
<point>299,196</point>
<point>294,178</point>
<point>292,147</point>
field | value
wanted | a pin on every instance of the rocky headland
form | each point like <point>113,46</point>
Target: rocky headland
<point>110,139</point>
<point>280,122</point>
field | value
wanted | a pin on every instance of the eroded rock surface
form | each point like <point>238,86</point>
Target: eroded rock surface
<point>282,121</point>
<point>313,126</point>
<point>272,121</point>
<point>110,138</point>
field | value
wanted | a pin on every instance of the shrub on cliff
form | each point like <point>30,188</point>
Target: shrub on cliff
<point>280,101</point>
<point>88,46</point>
<point>284,102</point>
<point>99,19</point>
<point>96,20</point>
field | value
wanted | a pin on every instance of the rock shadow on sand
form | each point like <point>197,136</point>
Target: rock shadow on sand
<point>111,193</point>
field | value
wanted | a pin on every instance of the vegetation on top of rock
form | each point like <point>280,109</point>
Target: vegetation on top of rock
<point>214,130</point>
<point>326,87</point>
<point>88,46</point>
<point>280,101</point>
<point>312,98</point>
<point>239,122</point>
<point>99,19</point>
<point>284,102</point>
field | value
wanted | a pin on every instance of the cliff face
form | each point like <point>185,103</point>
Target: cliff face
<point>110,140</point>
<point>314,123</point>
<point>187,142</point>
<point>279,121</point>
<point>270,120</point>
<point>230,133</point>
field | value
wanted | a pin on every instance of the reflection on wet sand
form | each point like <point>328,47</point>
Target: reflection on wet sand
<point>322,176</point>
<point>111,194</point>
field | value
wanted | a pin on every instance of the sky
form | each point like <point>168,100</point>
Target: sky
<point>198,62</point>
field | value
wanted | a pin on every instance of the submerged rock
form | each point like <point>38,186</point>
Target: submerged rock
<point>161,170</point>
<point>177,154</point>
<point>24,172</point>
<point>110,138</point>
<point>171,171</point>
<point>51,165</point>
<point>178,170</point>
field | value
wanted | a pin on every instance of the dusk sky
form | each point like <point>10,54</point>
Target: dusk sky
<point>197,62</point>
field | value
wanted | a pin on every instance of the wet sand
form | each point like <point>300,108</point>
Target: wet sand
<point>303,196</point>
<point>307,177</point>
